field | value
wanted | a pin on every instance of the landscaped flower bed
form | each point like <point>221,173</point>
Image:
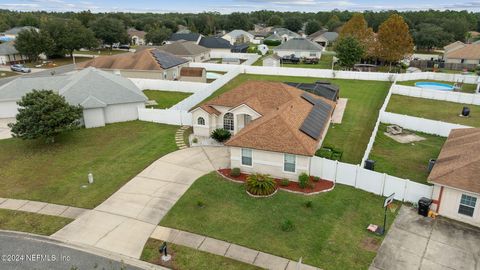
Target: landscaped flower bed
<point>314,187</point>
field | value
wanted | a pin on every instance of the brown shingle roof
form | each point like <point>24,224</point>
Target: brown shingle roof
<point>469,51</point>
<point>283,112</point>
<point>184,48</point>
<point>458,164</point>
<point>192,71</point>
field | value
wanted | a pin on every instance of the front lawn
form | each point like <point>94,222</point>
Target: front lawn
<point>165,99</point>
<point>31,222</point>
<point>434,109</point>
<point>5,74</point>
<point>324,63</point>
<point>191,259</point>
<point>405,160</point>
<point>466,88</point>
<point>55,173</point>
<point>101,52</point>
<point>365,98</point>
<point>331,234</point>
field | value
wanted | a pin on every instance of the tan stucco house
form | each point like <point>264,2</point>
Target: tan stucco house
<point>463,54</point>
<point>188,50</point>
<point>276,128</point>
<point>300,47</point>
<point>456,177</point>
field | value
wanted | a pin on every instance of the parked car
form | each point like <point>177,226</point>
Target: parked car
<point>310,60</point>
<point>290,59</point>
<point>20,68</point>
<point>124,47</point>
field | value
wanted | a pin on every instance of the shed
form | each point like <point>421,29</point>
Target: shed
<point>272,61</point>
<point>193,74</point>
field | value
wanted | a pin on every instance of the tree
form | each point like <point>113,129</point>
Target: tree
<point>43,114</point>
<point>158,36</point>
<point>349,51</point>
<point>333,23</point>
<point>293,24</point>
<point>32,43</point>
<point>357,27</point>
<point>429,36</point>
<point>238,20</point>
<point>312,27</point>
<point>394,39</point>
<point>275,20</point>
<point>110,30</point>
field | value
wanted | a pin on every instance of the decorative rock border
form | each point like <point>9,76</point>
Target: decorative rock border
<point>261,196</point>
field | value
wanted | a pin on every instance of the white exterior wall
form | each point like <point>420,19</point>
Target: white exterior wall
<point>122,112</point>
<point>8,109</point>
<point>459,61</point>
<point>270,62</point>
<point>269,163</point>
<point>450,202</point>
<point>94,118</point>
<point>199,130</point>
<point>300,54</point>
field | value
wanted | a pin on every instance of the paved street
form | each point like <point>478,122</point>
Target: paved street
<point>22,251</point>
<point>416,242</point>
<point>125,221</point>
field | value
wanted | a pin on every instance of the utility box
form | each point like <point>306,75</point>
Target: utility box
<point>370,164</point>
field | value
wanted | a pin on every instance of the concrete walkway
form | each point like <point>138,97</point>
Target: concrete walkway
<point>125,221</point>
<point>42,208</point>
<point>4,129</point>
<point>179,137</point>
<point>226,249</point>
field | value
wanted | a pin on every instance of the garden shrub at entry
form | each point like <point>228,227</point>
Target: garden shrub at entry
<point>221,135</point>
<point>260,184</point>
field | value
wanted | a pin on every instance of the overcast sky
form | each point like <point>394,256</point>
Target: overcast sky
<point>228,6</point>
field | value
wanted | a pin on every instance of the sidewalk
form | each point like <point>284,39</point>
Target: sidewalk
<point>42,208</point>
<point>226,249</point>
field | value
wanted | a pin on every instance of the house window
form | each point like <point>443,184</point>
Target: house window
<point>312,54</point>
<point>228,121</point>
<point>201,121</point>
<point>467,205</point>
<point>289,163</point>
<point>246,157</point>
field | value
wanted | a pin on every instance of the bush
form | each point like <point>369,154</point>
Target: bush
<point>200,204</point>
<point>235,172</point>
<point>221,135</point>
<point>308,204</point>
<point>287,225</point>
<point>316,179</point>
<point>284,182</point>
<point>303,180</point>
<point>195,140</point>
<point>272,42</point>
<point>260,184</point>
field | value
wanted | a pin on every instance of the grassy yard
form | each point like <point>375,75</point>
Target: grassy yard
<point>364,101</point>
<point>409,160</point>
<point>31,222</point>
<point>165,99</point>
<point>466,88</point>
<point>434,109</point>
<point>55,173</point>
<point>5,74</point>
<point>191,259</point>
<point>101,52</point>
<point>57,62</point>
<point>331,234</point>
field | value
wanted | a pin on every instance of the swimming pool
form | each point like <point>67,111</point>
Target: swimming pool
<point>435,86</point>
<point>213,75</point>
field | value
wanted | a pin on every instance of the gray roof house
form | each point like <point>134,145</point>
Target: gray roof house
<point>300,47</point>
<point>282,34</point>
<point>105,97</point>
<point>8,53</point>
<point>16,30</point>
<point>188,50</point>
<point>194,37</point>
<point>323,37</point>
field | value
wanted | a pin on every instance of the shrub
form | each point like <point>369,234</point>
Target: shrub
<point>221,135</point>
<point>195,140</point>
<point>272,42</point>
<point>284,182</point>
<point>308,204</point>
<point>287,225</point>
<point>316,179</point>
<point>303,180</point>
<point>200,204</point>
<point>235,172</point>
<point>260,184</point>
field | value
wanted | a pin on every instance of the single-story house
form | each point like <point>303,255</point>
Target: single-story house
<point>105,97</point>
<point>188,50</point>
<point>137,37</point>
<point>10,55</point>
<point>300,47</point>
<point>323,37</point>
<point>240,48</point>
<point>193,37</point>
<point>276,128</point>
<point>466,54</point>
<point>149,63</point>
<point>193,74</point>
<point>456,177</point>
<point>454,45</point>
<point>282,35</point>
<point>240,37</point>
<point>216,45</point>
<point>272,61</point>
<point>12,33</point>
<point>320,88</point>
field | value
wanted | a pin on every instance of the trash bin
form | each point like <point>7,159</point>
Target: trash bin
<point>424,206</point>
<point>431,163</point>
<point>466,111</point>
<point>370,164</point>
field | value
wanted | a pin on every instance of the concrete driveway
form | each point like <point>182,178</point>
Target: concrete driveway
<point>416,242</point>
<point>125,221</point>
<point>4,129</point>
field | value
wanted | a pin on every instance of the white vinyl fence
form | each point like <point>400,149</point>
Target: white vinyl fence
<point>167,85</point>
<point>411,91</point>
<point>165,116</point>
<point>371,181</point>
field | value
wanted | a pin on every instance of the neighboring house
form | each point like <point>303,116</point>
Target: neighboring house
<point>272,61</point>
<point>323,37</point>
<point>453,46</point>
<point>12,34</point>
<point>188,50</point>
<point>466,54</point>
<point>456,177</point>
<point>105,97</point>
<point>193,74</point>
<point>240,37</point>
<point>240,48</point>
<point>300,47</point>
<point>144,64</point>
<point>282,35</point>
<point>216,45</point>
<point>10,55</point>
<point>193,37</point>
<point>276,128</point>
<point>137,37</point>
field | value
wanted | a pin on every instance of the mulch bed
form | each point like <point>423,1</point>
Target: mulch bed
<point>319,186</point>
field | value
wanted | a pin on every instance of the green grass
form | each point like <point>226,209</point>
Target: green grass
<point>466,88</point>
<point>55,173</point>
<point>101,52</point>
<point>405,160</point>
<point>56,62</point>
<point>191,259</point>
<point>365,98</point>
<point>328,235</point>
<point>30,222</point>
<point>434,109</point>
<point>165,99</point>
<point>5,74</point>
